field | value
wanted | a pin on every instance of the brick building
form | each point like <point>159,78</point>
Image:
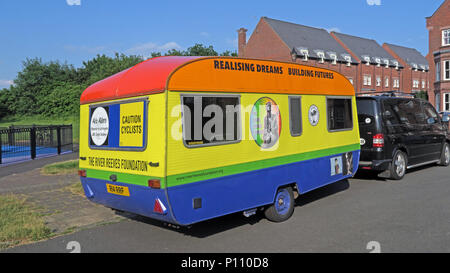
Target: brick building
<point>415,75</point>
<point>378,70</point>
<point>369,66</point>
<point>438,56</point>
<point>282,41</point>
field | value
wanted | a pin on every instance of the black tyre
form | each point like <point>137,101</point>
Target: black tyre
<point>398,165</point>
<point>283,206</point>
<point>445,155</point>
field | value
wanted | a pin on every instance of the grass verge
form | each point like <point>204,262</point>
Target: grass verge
<point>19,224</point>
<point>59,168</point>
<point>76,189</point>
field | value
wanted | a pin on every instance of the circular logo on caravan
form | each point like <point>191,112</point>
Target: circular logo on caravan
<point>313,115</point>
<point>265,122</point>
<point>99,126</point>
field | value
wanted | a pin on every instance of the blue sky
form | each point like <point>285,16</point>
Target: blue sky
<point>77,30</point>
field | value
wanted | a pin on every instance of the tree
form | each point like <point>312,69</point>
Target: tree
<point>421,95</point>
<point>34,83</point>
<point>103,66</point>
<point>54,88</point>
<point>196,50</point>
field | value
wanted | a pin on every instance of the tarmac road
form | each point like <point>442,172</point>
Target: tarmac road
<point>411,215</point>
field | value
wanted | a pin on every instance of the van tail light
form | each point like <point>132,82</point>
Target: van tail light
<point>82,173</point>
<point>378,141</point>
<point>154,183</point>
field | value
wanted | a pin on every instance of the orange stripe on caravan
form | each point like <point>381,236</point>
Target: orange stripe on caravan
<point>236,75</point>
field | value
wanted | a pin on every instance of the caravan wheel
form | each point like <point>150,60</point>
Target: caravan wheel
<point>283,206</point>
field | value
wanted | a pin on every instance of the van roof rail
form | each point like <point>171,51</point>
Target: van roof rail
<point>397,94</point>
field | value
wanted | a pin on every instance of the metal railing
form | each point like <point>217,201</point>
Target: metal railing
<point>18,143</point>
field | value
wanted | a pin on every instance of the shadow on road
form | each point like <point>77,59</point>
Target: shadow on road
<point>217,225</point>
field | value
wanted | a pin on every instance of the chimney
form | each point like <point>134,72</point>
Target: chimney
<point>242,41</point>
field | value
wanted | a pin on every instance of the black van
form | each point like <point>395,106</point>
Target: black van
<point>400,133</point>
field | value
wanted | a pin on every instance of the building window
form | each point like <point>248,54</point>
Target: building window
<point>438,101</point>
<point>378,61</point>
<point>333,57</point>
<point>367,59</point>
<point>446,37</point>
<point>446,102</point>
<point>396,83</point>
<point>438,71</point>
<point>305,54</point>
<point>351,80</point>
<point>367,80</point>
<point>386,82</point>
<point>378,81</point>
<point>295,109</point>
<point>339,114</point>
<point>415,84</point>
<point>321,55</point>
<point>423,84</point>
<point>210,120</point>
<point>446,70</point>
<point>396,65</point>
<point>348,59</point>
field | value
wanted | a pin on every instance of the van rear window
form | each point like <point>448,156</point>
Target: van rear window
<point>366,111</point>
<point>210,120</point>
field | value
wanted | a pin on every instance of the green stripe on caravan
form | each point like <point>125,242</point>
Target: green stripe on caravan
<point>191,177</point>
<point>135,179</point>
<point>186,178</point>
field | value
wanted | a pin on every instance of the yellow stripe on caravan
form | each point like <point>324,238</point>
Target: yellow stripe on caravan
<point>314,138</point>
<point>132,161</point>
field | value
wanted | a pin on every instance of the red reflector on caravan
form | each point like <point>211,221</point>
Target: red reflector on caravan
<point>159,207</point>
<point>154,183</point>
<point>82,173</point>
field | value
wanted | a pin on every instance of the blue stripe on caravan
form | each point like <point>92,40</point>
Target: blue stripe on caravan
<point>234,193</point>
<point>141,200</point>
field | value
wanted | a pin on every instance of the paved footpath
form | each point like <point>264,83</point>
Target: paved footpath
<point>50,195</point>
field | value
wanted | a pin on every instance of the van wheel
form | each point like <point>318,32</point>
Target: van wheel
<point>398,165</point>
<point>445,155</point>
<point>283,207</point>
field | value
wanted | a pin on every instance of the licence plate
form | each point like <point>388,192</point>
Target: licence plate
<point>119,190</point>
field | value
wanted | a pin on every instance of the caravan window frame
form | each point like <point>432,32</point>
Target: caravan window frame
<point>224,142</point>
<point>300,116</point>
<point>351,113</point>
<point>146,101</point>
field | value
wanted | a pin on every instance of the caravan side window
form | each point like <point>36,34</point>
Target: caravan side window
<point>339,114</point>
<point>295,115</point>
<point>210,120</point>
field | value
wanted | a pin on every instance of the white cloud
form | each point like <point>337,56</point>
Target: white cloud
<point>373,2</point>
<point>5,83</point>
<point>335,29</point>
<point>73,2</point>
<point>147,48</point>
